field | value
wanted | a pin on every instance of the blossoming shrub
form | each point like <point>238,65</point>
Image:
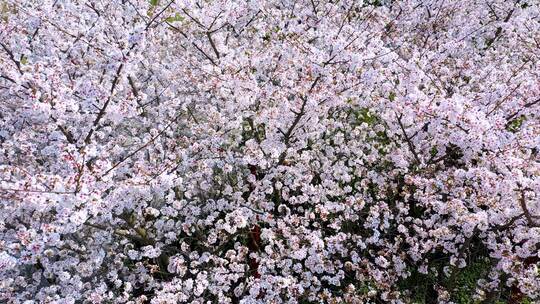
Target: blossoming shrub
<point>171,151</point>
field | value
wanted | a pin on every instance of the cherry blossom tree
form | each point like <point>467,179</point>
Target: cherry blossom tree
<point>184,151</point>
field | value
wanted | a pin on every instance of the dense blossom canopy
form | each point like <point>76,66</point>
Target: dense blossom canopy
<point>283,151</point>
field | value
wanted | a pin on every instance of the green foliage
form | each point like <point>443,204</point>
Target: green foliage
<point>6,10</point>
<point>433,152</point>
<point>419,286</point>
<point>364,115</point>
<point>392,96</point>
<point>465,281</point>
<point>376,3</point>
<point>381,139</point>
<point>251,130</point>
<point>461,283</point>
<point>176,18</point>
<point>514,125</point>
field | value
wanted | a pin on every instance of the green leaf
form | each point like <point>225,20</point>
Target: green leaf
<point>24,60</point>
<point>514,125</point>
<point>392,96</point>
<point>176,18</point>
<point>154,2</point>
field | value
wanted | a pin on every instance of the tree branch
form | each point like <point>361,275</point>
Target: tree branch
<point>412,148</point>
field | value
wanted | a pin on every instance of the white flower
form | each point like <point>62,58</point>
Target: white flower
<point>79,217</point>
<point>299,254</point>
<point>151,251</point>
<point>177,265</point>
<point>7,262</point>
<point>382,261</point>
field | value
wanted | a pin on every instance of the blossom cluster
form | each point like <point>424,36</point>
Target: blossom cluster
<point>265,151</point>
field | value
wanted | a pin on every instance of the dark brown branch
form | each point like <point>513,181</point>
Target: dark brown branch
<point>142,147</point>
<point>193,43</point>
<point>133,87</point>
<point>527,105</point>
<point>158,14</point>
<point>12,57</point>
<point>288,133</point>
<point>102,110</point>
<point>503,100</point>
<point>412,148</point>
<point>204,53</point>
<point>498,31</point>
<point>509,224</point>
<point>212,44</point>
<point>192,18</point>
<point>314,7</point>
<point>528,216</point>
<point>314,83</point>
<point>67,134</point>
<point>248,23</point>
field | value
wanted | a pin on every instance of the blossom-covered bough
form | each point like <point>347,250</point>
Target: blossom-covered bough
<point>303,151</point>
